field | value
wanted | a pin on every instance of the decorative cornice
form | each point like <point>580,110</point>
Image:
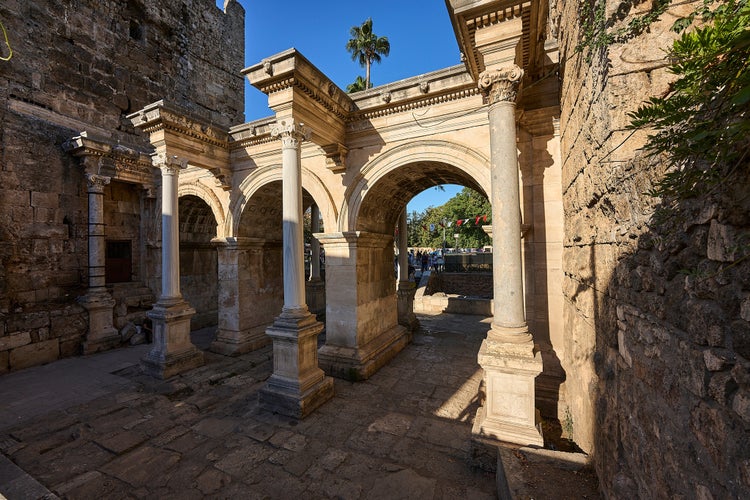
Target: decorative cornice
<point>159,116</point>
<point>415,104</point>
<point>336,158</point>
<point>501,85</point>
<point>120,162</point>
<point>325,96</point>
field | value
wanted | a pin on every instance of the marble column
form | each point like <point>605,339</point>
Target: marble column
<point>406,288</point>
<point>315,290</point>
<point>98,302</point>
<point>297,386</point>
<point>507,354</point>
<point>172,352</point>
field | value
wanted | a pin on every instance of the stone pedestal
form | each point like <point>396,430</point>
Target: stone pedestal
<point>172,352</point>
<point>297,386</point>
<point>406,317</point>
<point>508,413</point>
<point>102,335</point>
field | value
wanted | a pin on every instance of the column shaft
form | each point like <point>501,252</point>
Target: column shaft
<point>170,232</point>
<point>294,274</point>
<point>403,261</point>
<point>96,241</point>
<point>315,244</point>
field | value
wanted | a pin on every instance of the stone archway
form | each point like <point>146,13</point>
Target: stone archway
<point>364,332</point>
<point>251,284</point>
<point>421,164</point>
<point>198,263</point>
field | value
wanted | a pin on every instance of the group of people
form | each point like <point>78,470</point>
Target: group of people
<point>424,261</point>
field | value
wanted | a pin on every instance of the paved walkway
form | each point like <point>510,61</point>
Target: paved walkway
<point>94,427</point>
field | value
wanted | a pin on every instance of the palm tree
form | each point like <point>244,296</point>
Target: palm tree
<point>367,47</point>
<point>359,84</point>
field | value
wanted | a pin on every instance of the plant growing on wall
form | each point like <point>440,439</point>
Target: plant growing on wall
<point>702,127</point>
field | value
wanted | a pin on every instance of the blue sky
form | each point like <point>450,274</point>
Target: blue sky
<point>419,31</point>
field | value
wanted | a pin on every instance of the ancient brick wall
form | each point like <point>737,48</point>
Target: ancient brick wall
<point>656,314</point>
<point>83,66</point>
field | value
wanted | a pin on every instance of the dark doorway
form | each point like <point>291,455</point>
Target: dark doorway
<point>118,261</point>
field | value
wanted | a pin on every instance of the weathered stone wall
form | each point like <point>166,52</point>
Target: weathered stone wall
<point>656,359</point>
<point>468,284</point>
<point>83,66</point>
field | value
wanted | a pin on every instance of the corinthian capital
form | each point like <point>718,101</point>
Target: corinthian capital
<point>96,183</point>
<point>501,85</point>
<point>292,133</point>
<point>169,164</point>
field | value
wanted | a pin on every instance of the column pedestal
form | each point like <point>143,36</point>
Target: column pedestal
<point>297,386</point>
<point>102,335</point>
<point>508,413</point>
<point>172,351</point>
<point>406,317</point>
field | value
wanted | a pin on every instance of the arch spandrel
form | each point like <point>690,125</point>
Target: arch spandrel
<point>207,195</point>
<point>272,173</point>
<point>386,184</point>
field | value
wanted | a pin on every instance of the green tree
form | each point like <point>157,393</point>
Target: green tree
<point>366,47</point>
<point>426,229</point>
<point>358,85</point>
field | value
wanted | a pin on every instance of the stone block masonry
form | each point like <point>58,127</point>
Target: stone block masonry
<point>656,342</point>
<point>82,67</point>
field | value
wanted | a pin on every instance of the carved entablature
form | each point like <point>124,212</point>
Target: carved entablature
<point>160,116</point>
<point>119,162</point>
<point>501,85</point>
<point>292,133</point>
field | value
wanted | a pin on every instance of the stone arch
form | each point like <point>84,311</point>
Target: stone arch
<point>265,175</point>
<point>434,162</point>
<point>208,196</point>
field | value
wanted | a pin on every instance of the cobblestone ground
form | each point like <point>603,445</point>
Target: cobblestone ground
<point>404,433</point>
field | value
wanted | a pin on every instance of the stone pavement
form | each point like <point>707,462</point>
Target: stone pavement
<point>95,427</point>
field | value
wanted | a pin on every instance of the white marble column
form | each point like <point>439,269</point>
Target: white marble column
<point>297,386</point>
<point>406,288</point>
<point>172,351</point>
<point>98,302</point>
<point>507,354</point>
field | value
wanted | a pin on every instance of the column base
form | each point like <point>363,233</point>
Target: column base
<point>102,335</point>
<point>172,352</point>
<point>361,363</point>
<point>234,343</point>
<point>406,316</point>
<point>508,413</point>
<point>297,386</point>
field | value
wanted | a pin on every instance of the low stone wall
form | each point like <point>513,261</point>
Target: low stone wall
<point>437,293</point>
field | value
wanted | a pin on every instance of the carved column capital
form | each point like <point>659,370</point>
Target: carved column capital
<point>291,133</point>
<point>501,85</point>
<point>169,164</point>
<point>96,183</point>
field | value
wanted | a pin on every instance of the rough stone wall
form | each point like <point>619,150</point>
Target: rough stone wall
<point>468,284</point>
<point>83,66</point>
<point>656,314</point>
